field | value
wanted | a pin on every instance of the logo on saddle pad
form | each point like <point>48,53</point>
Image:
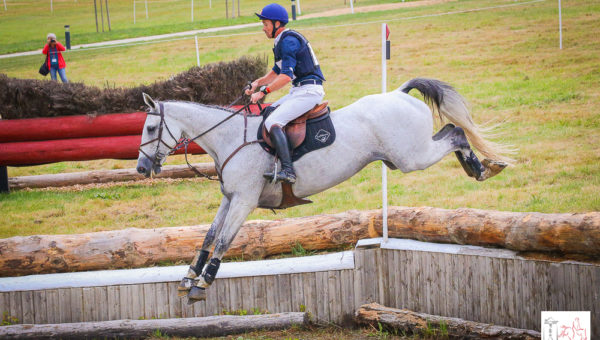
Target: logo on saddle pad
<point>322,136</point>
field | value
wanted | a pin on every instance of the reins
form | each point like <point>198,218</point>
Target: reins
<point>186,141</point>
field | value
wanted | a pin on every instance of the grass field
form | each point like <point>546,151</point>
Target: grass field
<point>22,18</point>
<point>505,61</point>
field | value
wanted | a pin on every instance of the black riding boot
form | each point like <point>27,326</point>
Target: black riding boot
<point>279,139</point>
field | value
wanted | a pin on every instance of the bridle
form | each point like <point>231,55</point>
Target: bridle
<point>157,156</point>
<point>183,143</point>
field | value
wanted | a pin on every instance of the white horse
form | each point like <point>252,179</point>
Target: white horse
<point>394,127</point>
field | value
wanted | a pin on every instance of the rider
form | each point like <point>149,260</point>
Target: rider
<point>295,61</point>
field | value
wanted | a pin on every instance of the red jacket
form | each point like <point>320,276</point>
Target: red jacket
<point>61,60</point>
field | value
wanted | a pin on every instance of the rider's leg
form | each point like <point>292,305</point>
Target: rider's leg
<point>290,107</point>
<point>279,139</point>
<point>199,260</point>
<point>238,211</point>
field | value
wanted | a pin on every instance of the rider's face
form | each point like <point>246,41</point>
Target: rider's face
<point>267,28</point>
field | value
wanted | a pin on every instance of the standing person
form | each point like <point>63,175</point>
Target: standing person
<point>295,62</point>
<point>56,62</point>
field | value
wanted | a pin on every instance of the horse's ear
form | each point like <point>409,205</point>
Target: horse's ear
<point>150,102</point>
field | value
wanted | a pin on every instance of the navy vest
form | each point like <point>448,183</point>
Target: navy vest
<point>307,65</point>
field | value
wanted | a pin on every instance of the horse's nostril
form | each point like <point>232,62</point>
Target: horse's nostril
<point>141,169</point>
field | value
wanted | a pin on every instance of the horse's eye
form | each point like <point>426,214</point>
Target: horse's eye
<point>151,128</point>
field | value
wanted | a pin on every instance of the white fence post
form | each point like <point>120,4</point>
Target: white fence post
<point>559,24</point>
<point>384,199</point>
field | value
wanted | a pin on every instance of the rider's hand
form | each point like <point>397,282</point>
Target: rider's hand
<point>252,88</point>
<point>256,97</point>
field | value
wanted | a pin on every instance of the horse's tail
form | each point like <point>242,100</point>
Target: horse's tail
<point>443,99</point>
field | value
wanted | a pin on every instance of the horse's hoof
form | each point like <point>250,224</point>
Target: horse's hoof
<point>492,168</point>
<point>184,286</point>
<point>196,294</point>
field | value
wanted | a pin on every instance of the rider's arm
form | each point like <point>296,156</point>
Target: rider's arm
<point>279,82</point>
<point>264,80</point>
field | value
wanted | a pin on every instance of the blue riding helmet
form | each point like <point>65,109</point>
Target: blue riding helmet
<point>274,12</point>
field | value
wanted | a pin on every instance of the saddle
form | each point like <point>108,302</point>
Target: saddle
<point>317,125</point>
<point>296,129</point>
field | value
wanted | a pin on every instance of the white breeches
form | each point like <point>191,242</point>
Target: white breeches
<point>293,105</point>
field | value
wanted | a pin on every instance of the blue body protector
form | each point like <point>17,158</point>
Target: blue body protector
<point>307,65</point>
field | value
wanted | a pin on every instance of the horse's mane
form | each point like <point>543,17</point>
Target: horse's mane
<point>210,106</point>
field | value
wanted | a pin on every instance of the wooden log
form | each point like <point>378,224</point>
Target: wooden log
<point>130,248</point>
<point>134,248</point>
<point>421,323</point>
<point>571,233</point>
<point>105,176</point>
<point>78,149</point>
<point>211,326</point>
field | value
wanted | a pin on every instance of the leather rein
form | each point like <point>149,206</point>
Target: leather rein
<point>183,143</point>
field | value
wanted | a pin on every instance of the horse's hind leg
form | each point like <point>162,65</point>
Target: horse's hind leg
<point>450,138</point>
<point>469,161</point>
<point>201,257</point>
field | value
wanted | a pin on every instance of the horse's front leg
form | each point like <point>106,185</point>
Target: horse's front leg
<point>202,254</point>
<point>238,211</point>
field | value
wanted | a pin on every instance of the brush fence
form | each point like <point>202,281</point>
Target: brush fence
<point>474,283</point>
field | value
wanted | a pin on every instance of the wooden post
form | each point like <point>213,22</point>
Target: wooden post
<point>107,14</point>
<point>3,179</point>
<point>102,15</point>
<point>96,14</point>
<point>226,9</point>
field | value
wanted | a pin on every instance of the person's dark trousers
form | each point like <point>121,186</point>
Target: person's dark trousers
<point>279,140</point>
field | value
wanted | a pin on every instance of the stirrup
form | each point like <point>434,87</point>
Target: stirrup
<point>281,176</point>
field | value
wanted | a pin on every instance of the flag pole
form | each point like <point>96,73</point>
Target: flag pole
<point>384,209</point>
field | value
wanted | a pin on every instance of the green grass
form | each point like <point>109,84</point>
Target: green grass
<point>506,62</point>
<point>23,17</point>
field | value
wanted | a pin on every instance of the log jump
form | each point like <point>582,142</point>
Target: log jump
<point>577,234</point>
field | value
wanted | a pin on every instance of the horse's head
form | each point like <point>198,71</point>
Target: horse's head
<point>160,136</point>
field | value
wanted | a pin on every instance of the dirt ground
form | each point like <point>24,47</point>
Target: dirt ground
<point>383,7</point>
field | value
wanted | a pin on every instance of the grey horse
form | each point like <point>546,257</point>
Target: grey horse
<point>393,127</point>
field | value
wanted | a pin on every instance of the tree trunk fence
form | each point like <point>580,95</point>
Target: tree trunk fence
<point>565,234</point>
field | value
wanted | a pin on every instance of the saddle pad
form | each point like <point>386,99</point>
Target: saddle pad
<point>319,134</point>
